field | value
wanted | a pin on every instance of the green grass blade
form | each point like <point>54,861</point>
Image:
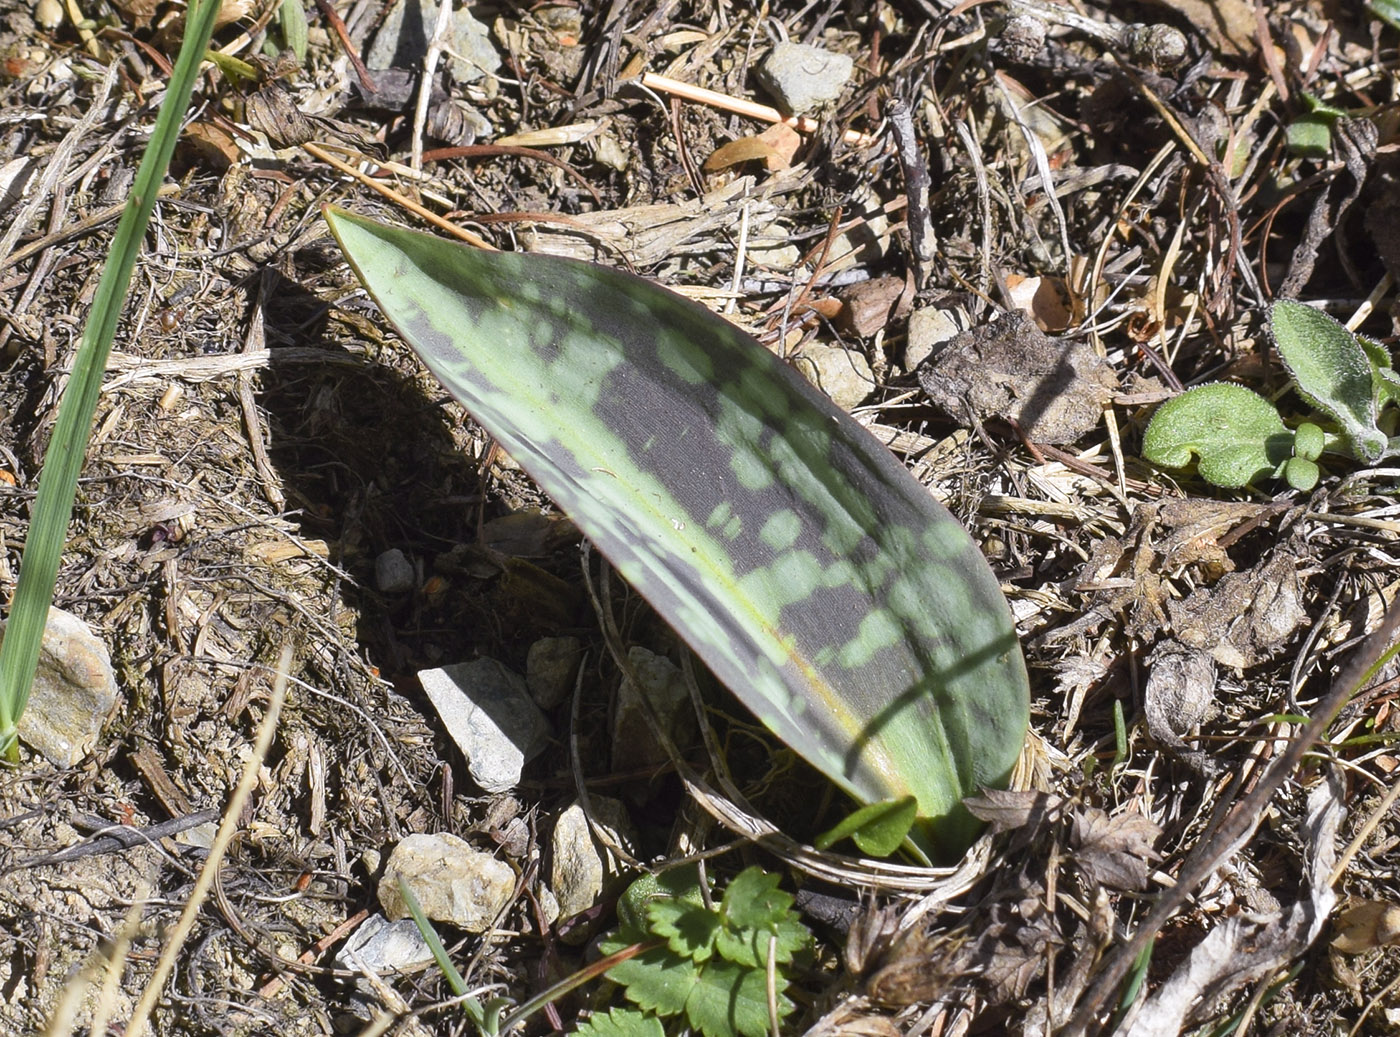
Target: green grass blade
<point>803,563</point>
<point>58,480</point>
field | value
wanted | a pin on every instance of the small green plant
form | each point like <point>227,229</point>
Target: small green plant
<point>1239,437</point>
<point>717,961</point>
<point>58,480</point>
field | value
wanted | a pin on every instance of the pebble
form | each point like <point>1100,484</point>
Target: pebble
<point>843,374</point>
<point>74,689</point>
<point>929,328</point>
<point>550,666</point>
<point>402,41</point>
<point>384,946</point>
<point>453,881</point>
<point>802,77</point>
<point>582,869</point>
<point>393,572</point>
<point>488,712</point>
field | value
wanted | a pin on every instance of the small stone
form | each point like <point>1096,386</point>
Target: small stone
<point>393,572</point>
<point>843,374</point>
<point>634,744</point>
<point>582,869</point>
<point>402,41</point>
<point>384,946</point>
<point>489,714</point>
<point>929,328</point>
<point>453,881</point>
<point>74,689</point>
<point>802,77</point>
<point>550,666</point>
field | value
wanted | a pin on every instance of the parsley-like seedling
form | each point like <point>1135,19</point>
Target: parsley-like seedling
<point>712,970</point>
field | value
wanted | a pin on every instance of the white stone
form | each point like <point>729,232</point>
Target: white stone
<point>452,880</point>
<point>384,946</point>
<point>843,374</point>
<point>488,712</point>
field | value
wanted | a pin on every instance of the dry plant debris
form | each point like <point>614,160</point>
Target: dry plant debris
<point>1117,177</point>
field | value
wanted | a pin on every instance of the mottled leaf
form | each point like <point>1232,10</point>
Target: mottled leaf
<point>799,559</point>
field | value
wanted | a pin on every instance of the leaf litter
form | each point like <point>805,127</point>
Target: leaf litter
<point>1206,618</point>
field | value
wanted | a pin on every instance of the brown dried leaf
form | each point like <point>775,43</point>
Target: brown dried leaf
<point>1114,851</point>
<point>1005,809</point>
<point>737,152</point>
<point>1365,925</point>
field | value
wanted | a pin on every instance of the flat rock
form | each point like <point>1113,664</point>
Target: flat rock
<point>453,881</point>
<point>402,41</point>
<point>582,869</point>
<point>384,946</point>
<point>550,667</point>
<point>488,711</point>
<point>929,328</point>
<point>74,690</point>
<point>802,77</point>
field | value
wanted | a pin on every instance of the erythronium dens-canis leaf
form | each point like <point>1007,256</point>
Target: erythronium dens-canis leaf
<point>795,555</point>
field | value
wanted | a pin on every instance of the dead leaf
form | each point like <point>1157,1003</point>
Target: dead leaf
<point>1114,851</point>
<point>775,147</point>
<point>1179,695</point>
<point>1043,298</point>
<point>1246,618</point>
<point>1007,809</point>
<point>869,305</point>
<point>1054,389</point>
<point>1227,24</point>
<point>1365,925</point>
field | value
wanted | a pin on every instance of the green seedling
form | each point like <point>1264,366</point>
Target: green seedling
<point>1310,135</point>
<point>63,461</point>
<point>799,559</point>
<point>717,962</point>
<point>1239,437</point>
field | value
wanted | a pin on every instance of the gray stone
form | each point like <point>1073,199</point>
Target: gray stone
<point>634,743</point>
<point>550,667</point>
<point>581,868</point>
<point>402,41</point>
<point>453,881</point>
<point>489,714</point>
<point>802,77</point>
<point>393,572</point>
<point>74,689</point>
<point>384,946</point>
<point>843,374</point>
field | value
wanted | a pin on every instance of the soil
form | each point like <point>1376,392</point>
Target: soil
<point>263,438</point>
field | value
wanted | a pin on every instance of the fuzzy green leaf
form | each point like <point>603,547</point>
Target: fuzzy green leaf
<point>1236,433</point>
<point>1309,441</point>
<point>1387,382</point>
<point>803,563</point>
<point>621,1022</point>
<point>1332,370</point>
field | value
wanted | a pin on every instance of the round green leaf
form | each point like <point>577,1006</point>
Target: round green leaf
<point>1236,433</point>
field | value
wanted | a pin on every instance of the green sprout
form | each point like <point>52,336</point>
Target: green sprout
<point>1238,437</point>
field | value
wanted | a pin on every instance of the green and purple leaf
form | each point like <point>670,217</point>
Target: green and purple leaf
<point>797,557</point>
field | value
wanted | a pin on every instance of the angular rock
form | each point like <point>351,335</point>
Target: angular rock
<point>487,710</point>
<point>393,572</point>
<point>802,77</point>
<point>74,690</point>
<point>453,881</point>
<point>929,328</point>
<point>402,41</point>
<point>582,869</point>
<point>550,666</point>
<point>384,946</point>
